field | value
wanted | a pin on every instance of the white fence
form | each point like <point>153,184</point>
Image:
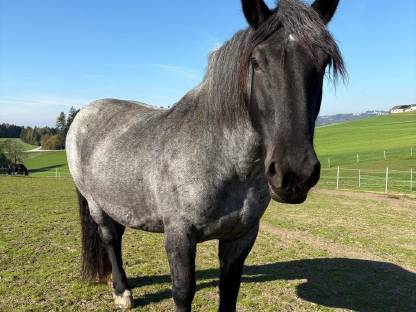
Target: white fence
<point>376,180</point>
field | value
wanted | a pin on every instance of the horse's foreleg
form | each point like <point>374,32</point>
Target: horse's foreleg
<point>181,249</point>
<point>111,234</point>
<point>232,255</point>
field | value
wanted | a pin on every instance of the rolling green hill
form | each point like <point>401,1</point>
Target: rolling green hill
<point>369,138</point>
<point>26,146</point>
<point>365,148</point>
<point>47,163</point>
<point>367,135</point>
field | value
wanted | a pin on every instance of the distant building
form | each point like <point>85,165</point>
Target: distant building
<point>403,109</point>
<point>376,113</point>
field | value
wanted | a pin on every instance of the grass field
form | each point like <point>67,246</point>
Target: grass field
<point>368,136</point>
<point>370,145</point>
<point>339,251</point>
<point>47,163</point>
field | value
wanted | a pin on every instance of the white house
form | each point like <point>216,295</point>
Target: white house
<point>403,109</point>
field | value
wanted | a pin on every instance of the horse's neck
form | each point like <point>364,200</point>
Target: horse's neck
<point>231,126</point>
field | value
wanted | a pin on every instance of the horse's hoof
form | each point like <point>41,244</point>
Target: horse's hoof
<point>124,301</point>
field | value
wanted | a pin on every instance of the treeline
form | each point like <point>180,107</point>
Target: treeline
<point>48,138</point>
<point>10,131</point>
<point>54,139</point>
<point>36,136</point>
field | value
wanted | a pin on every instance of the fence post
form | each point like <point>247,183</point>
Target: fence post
<point>385,156</point>
<point>387,180</point>
<point>56,172</point>
<point>411,180</point>
<point>338,178</point>
<point>358,158</point>
<point>359,178</point>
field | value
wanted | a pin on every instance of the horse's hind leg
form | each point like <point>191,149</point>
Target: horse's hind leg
<point>101,250</point>
<point>111,234</point>
<point>232,255</point>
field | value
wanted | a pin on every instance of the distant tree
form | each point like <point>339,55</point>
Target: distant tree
<point>61,128</point>
<point>4,162</point>
<point>71,116</point>
<point>52,142</point>
<point>61,122</point>
<point>27,135</point>
<point>43,139</point>
<point>14,151</point>
<point>36,136</point>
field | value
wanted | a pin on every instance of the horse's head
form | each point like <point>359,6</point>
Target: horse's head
<point>283,71</point>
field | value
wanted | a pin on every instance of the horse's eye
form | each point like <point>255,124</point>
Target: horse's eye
<point>254,63</point>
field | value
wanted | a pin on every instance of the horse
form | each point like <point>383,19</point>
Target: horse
<point>17,169</point>
<point>207,168</point>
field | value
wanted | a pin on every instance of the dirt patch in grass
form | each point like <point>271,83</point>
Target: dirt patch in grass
<point>395,201</point>
<point>332,248</point>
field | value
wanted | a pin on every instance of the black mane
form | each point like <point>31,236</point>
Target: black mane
<point>227,72</point>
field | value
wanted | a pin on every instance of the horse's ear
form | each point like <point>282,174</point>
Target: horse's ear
<point>326,9</point>
<point>256,12</point>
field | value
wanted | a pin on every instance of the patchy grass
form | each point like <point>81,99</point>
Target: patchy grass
<point>337,251</point>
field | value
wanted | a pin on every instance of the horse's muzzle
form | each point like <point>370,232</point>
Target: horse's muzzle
<point>292,187</point>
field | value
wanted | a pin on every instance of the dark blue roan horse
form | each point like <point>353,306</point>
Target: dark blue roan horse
<point>207,168</point>
<point>17,169</point>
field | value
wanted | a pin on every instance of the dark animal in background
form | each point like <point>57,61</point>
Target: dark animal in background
<point>17,169</point>
<point>208,167</point>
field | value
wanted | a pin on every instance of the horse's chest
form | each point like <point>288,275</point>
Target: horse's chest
<point>239,209</point>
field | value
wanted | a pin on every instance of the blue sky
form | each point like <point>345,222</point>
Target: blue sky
<point>56,53</point>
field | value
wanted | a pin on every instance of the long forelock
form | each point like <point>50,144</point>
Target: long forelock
<point>305,24</point>
<point>227,73</point>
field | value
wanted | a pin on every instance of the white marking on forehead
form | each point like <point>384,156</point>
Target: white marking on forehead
<point>292,37</point>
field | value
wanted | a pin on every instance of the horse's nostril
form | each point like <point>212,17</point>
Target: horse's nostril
<point>288,180</point>
<point>272,171</point>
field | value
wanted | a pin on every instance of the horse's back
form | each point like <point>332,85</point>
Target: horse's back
<point>98,123</point>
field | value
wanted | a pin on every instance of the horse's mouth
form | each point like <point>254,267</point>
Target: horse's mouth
<point>293,198</point>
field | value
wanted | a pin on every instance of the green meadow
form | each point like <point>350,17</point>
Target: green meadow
<point>364,149</point>
<point>47,164</point>
<point>26,147</point>
<point>339,251</point>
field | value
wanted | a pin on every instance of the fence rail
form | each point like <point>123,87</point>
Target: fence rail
<point>387,181</point>
<point>397,181</point>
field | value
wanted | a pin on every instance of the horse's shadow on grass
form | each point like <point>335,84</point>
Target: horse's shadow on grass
<point>44,169</point>
<point>353,284</point>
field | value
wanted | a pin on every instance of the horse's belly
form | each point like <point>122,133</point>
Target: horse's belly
<point>137,217</point>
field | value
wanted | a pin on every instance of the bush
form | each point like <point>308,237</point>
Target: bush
<point>52,142</point>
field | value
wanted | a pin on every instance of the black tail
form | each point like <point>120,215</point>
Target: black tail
<point>95,263</point>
